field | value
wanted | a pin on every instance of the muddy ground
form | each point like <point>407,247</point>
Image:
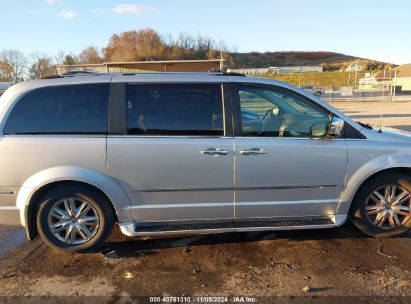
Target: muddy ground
<point>336,264</point>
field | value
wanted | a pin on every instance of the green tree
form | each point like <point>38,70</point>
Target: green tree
<point>69,60</point>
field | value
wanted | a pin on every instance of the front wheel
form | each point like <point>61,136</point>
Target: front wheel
<point>75,218</point>
<point>382,206</point>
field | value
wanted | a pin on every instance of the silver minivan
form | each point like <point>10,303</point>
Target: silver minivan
<point>177,153</point>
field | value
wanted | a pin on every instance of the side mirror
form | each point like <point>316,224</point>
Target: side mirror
<point>336,127</point>
<point>319,129</point>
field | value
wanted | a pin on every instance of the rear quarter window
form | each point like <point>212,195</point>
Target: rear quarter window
<point>74,109</point>
<point>175,109</point>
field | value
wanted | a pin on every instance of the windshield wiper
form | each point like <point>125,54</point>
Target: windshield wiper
<point>365,125</point>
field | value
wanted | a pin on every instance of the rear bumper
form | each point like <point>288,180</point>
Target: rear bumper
<point>10,215</point>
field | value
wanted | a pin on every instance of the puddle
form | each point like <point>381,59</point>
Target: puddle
<point>11,237</point>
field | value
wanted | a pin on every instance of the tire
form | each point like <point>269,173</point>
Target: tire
<point>375,216</point>
<point>89,229</point>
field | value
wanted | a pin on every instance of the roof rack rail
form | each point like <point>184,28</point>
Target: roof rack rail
<point>79,73</point>
<point>219,72</point>
<point>234,74</point>
<point>73,73</point>
<point>51,77</point>
<point>215,71</point>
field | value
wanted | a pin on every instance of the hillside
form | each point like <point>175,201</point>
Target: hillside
<point>330,61</point>
<point>323,80</point>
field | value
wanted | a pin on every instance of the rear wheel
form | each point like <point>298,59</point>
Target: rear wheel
<point>382,206</point>
<point>75,218</point>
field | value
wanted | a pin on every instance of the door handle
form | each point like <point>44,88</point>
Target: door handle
<point>253,151</point>
<point>214,151</point>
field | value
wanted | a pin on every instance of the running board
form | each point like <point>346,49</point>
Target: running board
<point>133,229</point>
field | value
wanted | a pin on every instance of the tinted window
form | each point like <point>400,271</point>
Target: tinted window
<point>174,110</point>
<point>271,112</point>
<point>61,109</point>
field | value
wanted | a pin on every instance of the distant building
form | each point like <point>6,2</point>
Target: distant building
<point>376,80</point>
<point>145,66</point>
<point>402,77</point>
<point>355,68</point>
<point>369,82</point>
<point>250,71</point>
<point>296,69</point>
<point>279,70</point>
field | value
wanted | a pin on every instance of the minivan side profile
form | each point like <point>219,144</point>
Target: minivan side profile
<point>177,153</point>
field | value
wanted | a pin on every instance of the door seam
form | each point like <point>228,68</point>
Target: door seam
<point>234,180</point>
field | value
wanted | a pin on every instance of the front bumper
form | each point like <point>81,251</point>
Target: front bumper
<point>10,215</point>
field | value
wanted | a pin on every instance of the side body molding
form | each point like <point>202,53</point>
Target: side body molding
<point>359,172</point>
<point>105,183</point>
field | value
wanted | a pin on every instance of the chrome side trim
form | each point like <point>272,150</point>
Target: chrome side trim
<point>287,187</point>
<point>11,192</point>
<point>234,188</point>
<point>196,205</point>
<point>170,136</point>
<point>9,208</point>
<point>182,189</point>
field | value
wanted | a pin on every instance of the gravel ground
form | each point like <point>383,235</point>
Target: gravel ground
<point>335,264</point>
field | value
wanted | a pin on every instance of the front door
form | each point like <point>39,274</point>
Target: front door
<point>281,169</point>
<point>175,162</point>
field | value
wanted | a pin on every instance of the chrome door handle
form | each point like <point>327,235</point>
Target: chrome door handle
<point>253,151</point>
<point>214,151</point>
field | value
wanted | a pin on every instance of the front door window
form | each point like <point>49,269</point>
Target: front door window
<point>275,113</point>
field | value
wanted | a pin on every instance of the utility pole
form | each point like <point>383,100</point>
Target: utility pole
<point>221,61</point>
<point>356,72</point>
<point>382,101</point>
<point>394,85</point>
<point>383,85</point>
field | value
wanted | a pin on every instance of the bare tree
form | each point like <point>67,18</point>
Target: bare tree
<point>59,58</point>
<point>41,66</point>
<point>186,41</point>
<point>13,64</point>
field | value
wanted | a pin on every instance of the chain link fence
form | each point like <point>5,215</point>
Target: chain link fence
<point>343,86</point>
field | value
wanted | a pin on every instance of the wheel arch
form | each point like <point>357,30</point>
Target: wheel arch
<point>358,180</point>
<point>34,189</point>
<point>399,170</point>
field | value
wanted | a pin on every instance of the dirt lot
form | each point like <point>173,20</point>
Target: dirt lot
<point>395,114</point>
<point>338,262</point>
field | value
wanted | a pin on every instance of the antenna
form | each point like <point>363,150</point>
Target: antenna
<point>383,89</point>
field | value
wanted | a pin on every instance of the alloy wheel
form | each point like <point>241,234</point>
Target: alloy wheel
<point>388,207</point>
<point>73,220</point>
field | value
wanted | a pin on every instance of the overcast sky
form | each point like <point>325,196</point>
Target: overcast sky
<point>372,29</point>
